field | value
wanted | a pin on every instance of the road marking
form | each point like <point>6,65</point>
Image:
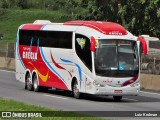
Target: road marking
<point>66,98</point>
<point>130,99</point>
<point>150,93</point>
<point>7,71</point>
<point>56,97</point>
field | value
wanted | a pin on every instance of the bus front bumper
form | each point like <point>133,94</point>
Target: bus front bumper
<point>116,91</point>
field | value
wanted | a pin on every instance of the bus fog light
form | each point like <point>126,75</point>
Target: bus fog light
<point>97,84</point>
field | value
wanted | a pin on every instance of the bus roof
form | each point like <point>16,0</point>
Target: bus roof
<point>106,28</point>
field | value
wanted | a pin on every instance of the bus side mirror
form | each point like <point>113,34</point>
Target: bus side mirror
<point>144,45</point>
<point>93,44</point>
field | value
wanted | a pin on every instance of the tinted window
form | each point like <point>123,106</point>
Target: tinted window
<point>116,58</point>
<point>82,46</point>
<point>55,39</point>
<point>25,37</point>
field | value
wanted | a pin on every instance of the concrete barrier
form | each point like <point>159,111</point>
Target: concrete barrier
<point>7,63</point>
<point>150,82</point>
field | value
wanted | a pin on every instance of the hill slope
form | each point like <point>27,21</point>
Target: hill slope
<point>11,19</point>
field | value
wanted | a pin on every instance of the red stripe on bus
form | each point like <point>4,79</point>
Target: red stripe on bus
<point>108,28</point>
<point>58,66</point>
<point>32,27</point>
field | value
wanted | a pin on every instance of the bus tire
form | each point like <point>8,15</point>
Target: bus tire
<point>150,68</point>
<point>29,85</point>
<point>157,69</point>
<point>75,90</point>
<point>36,87</point>
<point>25,85</point>
<point>117,98</point>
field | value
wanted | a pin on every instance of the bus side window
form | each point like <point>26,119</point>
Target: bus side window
<point>35,38</point>
<point>25,37</point>
<point>56,39</point>
<point>82,47</point>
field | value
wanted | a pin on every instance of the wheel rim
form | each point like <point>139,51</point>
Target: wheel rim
<point>75,89</point>
<point>29,83</point>
<point>151,68</point>
<point>35,84</point>
<point>157,70</point>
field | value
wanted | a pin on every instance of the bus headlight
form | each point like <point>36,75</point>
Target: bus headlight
<point>97,84</point>
<point>135,84</point>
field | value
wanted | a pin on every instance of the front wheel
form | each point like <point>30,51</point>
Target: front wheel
<point>75,90</point>
<point>117,98</point>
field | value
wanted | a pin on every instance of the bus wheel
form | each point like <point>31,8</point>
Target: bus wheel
<point>36,87</point>
<point>150,68</point>
<point>75,90</point>
<point>28,83</point>
<point>117,98</point>
<point>157,69</point>
<point>25,85</point>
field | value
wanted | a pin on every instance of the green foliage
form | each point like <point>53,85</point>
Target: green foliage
<point>10,20</point>
<point>23,4</point>
<point>158,13</point>
<point>138,16</point>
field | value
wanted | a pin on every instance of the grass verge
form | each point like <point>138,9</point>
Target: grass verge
<point>11,105</point>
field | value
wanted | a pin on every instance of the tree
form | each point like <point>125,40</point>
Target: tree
<point>139,17</point>
<point>23,4</point>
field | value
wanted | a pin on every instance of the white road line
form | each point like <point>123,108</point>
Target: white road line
<point>56,97</point>
<point>130,99</point>
<point>7,71</point>
<point>150,93</point>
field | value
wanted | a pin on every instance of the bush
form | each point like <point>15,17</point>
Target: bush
<point>3,12</point>
<point>23,4</point>
<point>4,4</point>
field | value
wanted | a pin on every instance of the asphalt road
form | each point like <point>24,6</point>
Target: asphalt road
<point>12,89</point>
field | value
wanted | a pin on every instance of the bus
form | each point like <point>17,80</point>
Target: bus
<point>93,57</point>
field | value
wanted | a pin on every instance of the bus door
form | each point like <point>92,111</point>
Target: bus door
<point>82,47</point>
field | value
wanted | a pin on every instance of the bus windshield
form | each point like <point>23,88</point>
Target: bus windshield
<point>116,58</point>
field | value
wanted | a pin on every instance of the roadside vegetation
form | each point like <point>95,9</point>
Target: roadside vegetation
<point>139,17</point>
<point>11,19</point>
<point>11,105</point>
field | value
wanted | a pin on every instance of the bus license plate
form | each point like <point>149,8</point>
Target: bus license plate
<point>117,91</point>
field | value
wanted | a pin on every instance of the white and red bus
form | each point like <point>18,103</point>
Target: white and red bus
<point>94,57</point>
